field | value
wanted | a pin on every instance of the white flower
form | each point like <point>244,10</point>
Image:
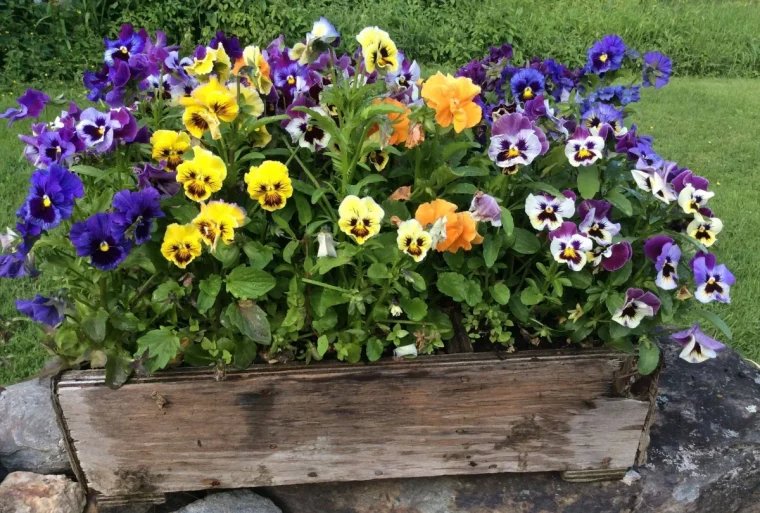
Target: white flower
<point>326,245</point>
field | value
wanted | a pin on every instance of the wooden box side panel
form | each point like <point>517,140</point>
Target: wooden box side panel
<point>444,415</point>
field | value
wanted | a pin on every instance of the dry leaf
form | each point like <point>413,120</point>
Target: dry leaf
<point>401,194</point>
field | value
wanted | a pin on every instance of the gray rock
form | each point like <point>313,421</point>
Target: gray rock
<point>237,501</point>
<point>29,436</point>
<point>704,457</point>
<point>27,492</point>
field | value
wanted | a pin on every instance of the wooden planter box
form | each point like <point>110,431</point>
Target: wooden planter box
<point>277,425</point>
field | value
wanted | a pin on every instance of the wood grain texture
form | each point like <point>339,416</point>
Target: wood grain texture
<point>456,414</point>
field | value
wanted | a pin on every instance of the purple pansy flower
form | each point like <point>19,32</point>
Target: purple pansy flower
<point>697,347</point>
<point>646,156</point>
<point>55,147</point>
<point>638,304</point>
<point>98,238</point>
<point>165,182</point>
<point>665,254</point>
<point>603,120</point>
<point>612,257</point>
<point>680,178</point>
<point>128,44</point>
<point>485,208</point>
<point>96,129</point>
<point>526,84</point>
<point>493,111</point>
<point>596,223</point>
<point>16,265</point>
<point>657,69</point>
<point>230,44</point>
<point>51,197</point>
<point>134,213</point>
<point>606,55</point>
<point>473,70</point>
<point>42,309</point>
<point>713,281</point>
<point>289,79</point>
<point>631,139</point>
<point>569,247</point>
<point>30,103</point>
<point>547,212</point>
<point>583,148</point>
<point>515,140</point>
<point>402,84</point>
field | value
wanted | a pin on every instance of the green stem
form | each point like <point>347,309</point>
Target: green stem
<point>384,292</point>
<point>326,204</point>
<point>325,285</point>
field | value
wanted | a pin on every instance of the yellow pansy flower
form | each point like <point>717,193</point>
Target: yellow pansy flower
<point>169,146</point>
<point>202,175</point>
<point>182,243</point>
<point>207,106</point>
<point>198,120</point>
<point>705,229</point>
<point>269,184</point>
<point>214,61</point>
<point>378,50</point>
<point>413,239</point>
<point>260,73</point>
<point>360,217</point>
<point>218,220</point>
<point>251,98</point>
<point>260,137</point>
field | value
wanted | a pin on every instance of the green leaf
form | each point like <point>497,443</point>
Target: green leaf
<point>460,188</point>
<point>545,187</point>
<point>87,171</point>
<point>396,208</point>
<point>245,352</point>
<point>94,325</point>
<point>614,301</point>
<point>454,147</point>
<point>250,320</point>
<point>326,264</point>
<point>507,222</point>
<point>184,214</point>
<point>290,248</point>
<point>126,321</point>
<point>500,293</point>
<point>165,296</point>
<point>418,282</point>
<point>323,299</point>
<point>470,171</point>
<point>378,271</point>
<point>227,254</point>
<point>715,320</point>
<point>322,345</point>
<point>617,330</point>
<point>588,181</point>
<point>621,276</point>
<point>580,279</point>
<point>518,309</point>
<point>622,344</point>
<point>374,349</point>
<point>248,283</point>
<point>453,285</point>
<point>210,288</point>
<point>305,212</point>
<point>526,243</point>
<point>531,296</point>
<point>376,109</point>
<point>414,308</point>
<point>491,247</point>
<point>615,196</point>
<point>649,357</point>
<point>258,254</point>
<point>117,367</point>
<point>162,345</point>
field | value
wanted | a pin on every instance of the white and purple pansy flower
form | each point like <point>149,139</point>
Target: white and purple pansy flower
<point>569,247</point>
<point>653,180</point>
<point>548,212</point>
<point>485,208</point>
<point>96,129</point>
<point>665,254</point>
<point>515,140</point>
<point>583,149</point>
<point>302,130</point>
<point>697,347</point>
<point>596,223</point>
<point>603,119</point>
<point>705,229</point>
<point>645,156</point>
<point>611,257</point>
<point>713,281</point>
<point>691,200</point>
<point>638,304</point>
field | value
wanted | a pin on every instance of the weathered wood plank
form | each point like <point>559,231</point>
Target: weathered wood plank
<point>457,414</point>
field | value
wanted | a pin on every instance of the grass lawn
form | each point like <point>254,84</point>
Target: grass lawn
<point>708,125</point>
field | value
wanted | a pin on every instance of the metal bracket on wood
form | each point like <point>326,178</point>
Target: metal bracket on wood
<point>592,476</point>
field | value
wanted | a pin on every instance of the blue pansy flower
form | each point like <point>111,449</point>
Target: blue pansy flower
<point>99,239</point>
<point>136,211</point>
<point>42,309</point>
<point>51,197</point>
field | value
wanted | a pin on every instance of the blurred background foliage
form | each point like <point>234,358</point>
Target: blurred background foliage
<point>45,40</point>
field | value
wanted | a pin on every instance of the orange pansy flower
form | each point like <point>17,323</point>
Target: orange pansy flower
<point>451,98</point>
<point>399,121</point>
<point>461,228</point>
